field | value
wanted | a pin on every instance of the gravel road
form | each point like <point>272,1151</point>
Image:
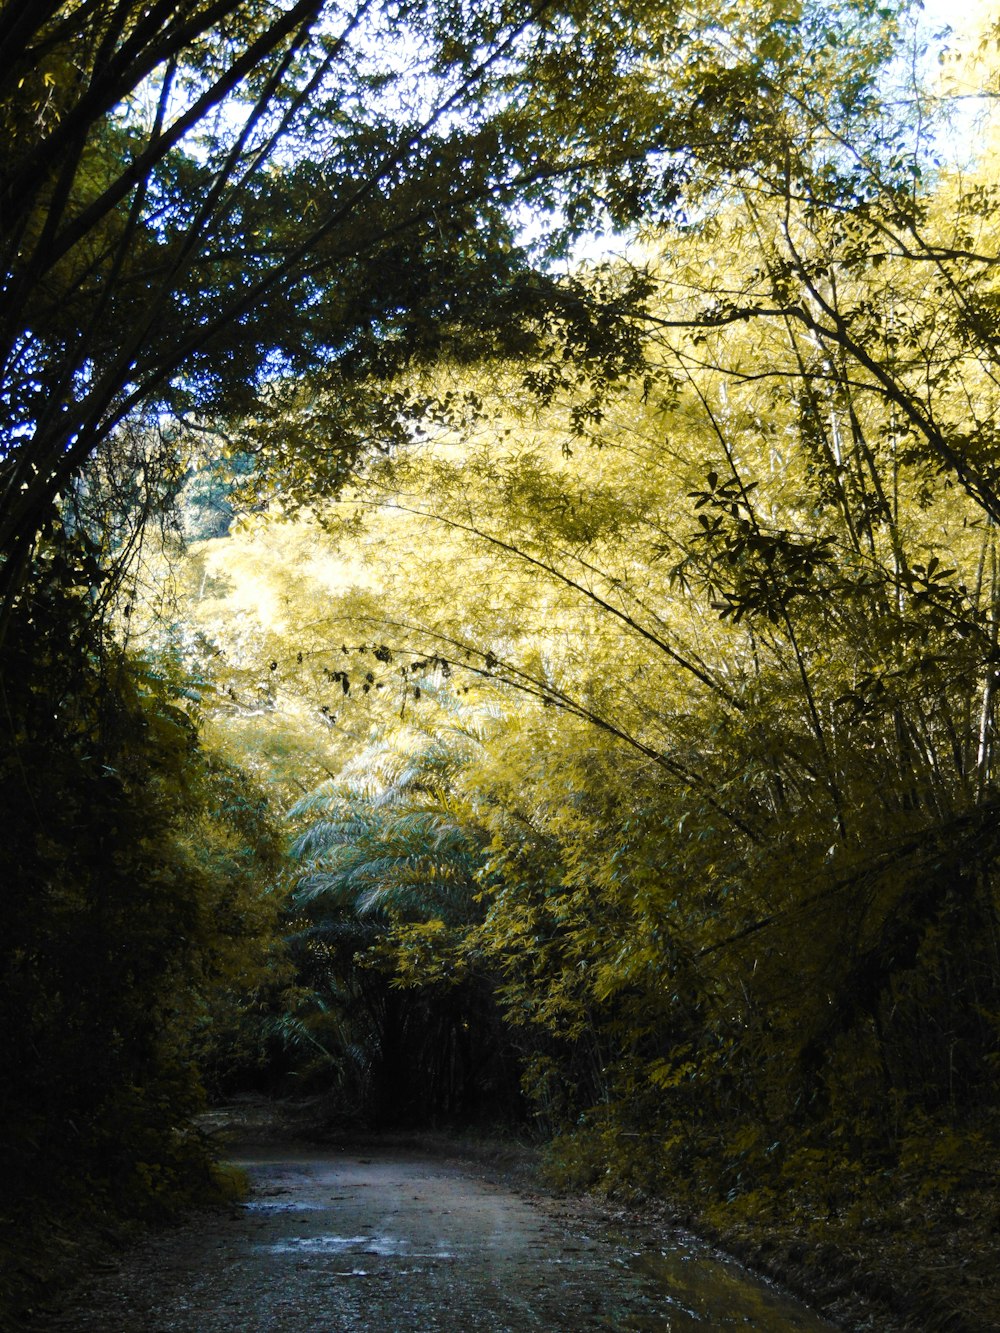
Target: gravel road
<point>340,1241</point>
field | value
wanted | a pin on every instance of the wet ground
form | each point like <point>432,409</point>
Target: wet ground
<point>341,1241</point>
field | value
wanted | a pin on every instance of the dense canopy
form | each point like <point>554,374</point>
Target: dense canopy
<point>500,598</point>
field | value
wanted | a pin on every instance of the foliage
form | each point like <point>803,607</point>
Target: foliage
<point>199,199</point>
<point>389,855</point>
<point>207,204</point>
<point>623,636</point>
<point>737,891</point>
<point>133,865</point>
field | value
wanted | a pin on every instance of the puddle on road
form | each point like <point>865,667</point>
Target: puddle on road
<point>679,1290</point>
<point>386,1247</point>
<point>280,1206</point>
<point>702,1290</point>
<point>295,1244</point>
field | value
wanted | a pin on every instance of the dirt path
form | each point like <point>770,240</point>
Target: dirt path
<point>344,1241</point>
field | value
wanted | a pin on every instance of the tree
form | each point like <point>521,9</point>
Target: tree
<point>745,570</point>
<point>389,855</point>
<point>202,201</point>
<point>134,869</point>
<point>711,529</point>
<point>194,198</point>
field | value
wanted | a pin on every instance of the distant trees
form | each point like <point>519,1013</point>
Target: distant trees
<point>387,878</point>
